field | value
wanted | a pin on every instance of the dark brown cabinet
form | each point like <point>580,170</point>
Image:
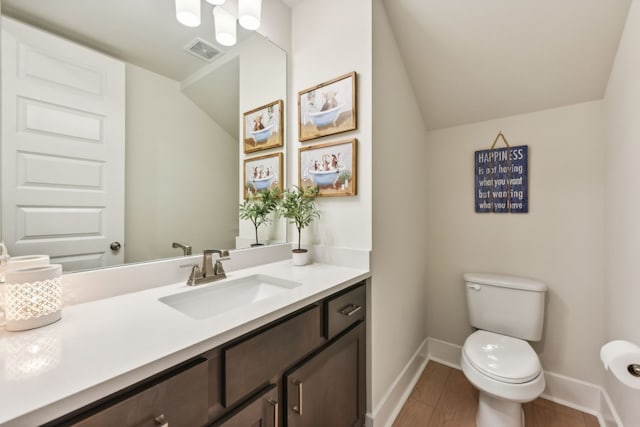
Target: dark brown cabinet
<point>328,388</point>
<point>344,309</point>
<point>305,369</point>
<point>262,410</point>
<point>180,400</point>
<point>255,359</point>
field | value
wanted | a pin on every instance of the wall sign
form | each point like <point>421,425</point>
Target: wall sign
<point>501,180</point>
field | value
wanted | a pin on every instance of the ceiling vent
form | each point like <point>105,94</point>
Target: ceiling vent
<point>202,50</point>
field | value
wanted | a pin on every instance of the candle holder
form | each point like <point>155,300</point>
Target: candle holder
<point>33,297</point>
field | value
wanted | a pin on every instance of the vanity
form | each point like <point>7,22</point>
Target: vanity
<point>295,357</point>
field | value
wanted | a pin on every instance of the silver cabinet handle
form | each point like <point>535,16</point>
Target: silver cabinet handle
<point>274,403</point>
<point>298,408</point>
<point>161,421</point>
<point>350,310</point>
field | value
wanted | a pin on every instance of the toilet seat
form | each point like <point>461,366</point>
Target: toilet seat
<point>502,358</point>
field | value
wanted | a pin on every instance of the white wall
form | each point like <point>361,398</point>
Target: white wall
<point>622,102</point>
<point>331,38</point>
<point>398,291</point>
<point>276,23</point>
<point>560,241</point>
<point>181,172</point>
<point>263,79</point>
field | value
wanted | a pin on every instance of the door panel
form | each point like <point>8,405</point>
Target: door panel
<point>62,153</point>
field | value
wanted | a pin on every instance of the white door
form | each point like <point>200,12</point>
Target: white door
<point>63,117</point>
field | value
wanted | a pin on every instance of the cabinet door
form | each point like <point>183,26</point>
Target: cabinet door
<point>180,400</point>
<point>263,411</point>
<point>329,388</point>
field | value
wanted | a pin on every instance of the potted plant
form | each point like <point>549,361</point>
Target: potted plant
<point>298,206</point>
<point>344,178</point>
<point>257,209</point>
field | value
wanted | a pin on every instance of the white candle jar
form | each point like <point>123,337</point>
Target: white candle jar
<point>33,297</point>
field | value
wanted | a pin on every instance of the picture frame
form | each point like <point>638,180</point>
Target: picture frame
<point>328,108</point>
<point>263,127</point>
<point>332,167</point>
<point>262,173</point>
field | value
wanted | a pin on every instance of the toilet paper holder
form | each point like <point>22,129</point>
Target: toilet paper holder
<point>634,369</point>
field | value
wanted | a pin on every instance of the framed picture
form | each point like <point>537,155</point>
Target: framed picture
<point>327,108</point>
<point>331,166</point>
<point>263,173</point>
<point>263,127</point>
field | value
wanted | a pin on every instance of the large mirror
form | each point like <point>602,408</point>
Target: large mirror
<point>182,128</point>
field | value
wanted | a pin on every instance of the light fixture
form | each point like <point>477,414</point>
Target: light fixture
<point>33,297</point>
<point>225,26</point>
<point>188,12</point>
<point>216,2</point>
<point>249,13</point>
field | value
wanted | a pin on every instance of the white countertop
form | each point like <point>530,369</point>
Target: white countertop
<point>102,346</point>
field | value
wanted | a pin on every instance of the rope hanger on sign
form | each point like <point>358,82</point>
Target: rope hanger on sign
<point>494,168</point>
<point>500,135</point>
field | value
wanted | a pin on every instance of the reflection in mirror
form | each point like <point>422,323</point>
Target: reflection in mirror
<point>177,117</point>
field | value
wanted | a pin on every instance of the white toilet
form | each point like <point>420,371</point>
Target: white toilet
<point>496,359</point>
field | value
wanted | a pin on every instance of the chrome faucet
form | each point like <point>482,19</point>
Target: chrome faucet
<point>210,271</point>
<point>186,249</point>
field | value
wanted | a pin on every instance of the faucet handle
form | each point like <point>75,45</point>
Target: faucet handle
<point>220,252</point>
<point>218,269</point>
<point>195,275</point>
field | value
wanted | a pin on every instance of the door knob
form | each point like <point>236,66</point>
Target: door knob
<point>115,246</point>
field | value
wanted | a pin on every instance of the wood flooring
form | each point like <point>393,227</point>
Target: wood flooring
<point>443,397</point>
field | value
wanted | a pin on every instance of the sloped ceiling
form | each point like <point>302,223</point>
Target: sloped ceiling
<point>475,60</point>
<point>468,60</point>
<point>142,32</point>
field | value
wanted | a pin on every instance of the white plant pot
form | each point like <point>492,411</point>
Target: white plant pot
<point>300,258</point>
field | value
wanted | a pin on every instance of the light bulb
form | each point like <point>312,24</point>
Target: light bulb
<point>188,12</point>
<point>225,24</point>
<point>249,13</point>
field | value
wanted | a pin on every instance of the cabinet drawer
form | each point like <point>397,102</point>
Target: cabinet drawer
<point>180,400</point>
<point>255,360</point>
<point>344,310</point>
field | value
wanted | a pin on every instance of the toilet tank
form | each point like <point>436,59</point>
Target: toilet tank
<point>507,305</point>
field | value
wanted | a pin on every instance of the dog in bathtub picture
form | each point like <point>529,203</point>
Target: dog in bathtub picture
<point>328,108</point>
<point>262,127</point>
<point>330,167</point>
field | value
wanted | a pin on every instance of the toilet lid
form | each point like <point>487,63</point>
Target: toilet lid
<point>503,358</point>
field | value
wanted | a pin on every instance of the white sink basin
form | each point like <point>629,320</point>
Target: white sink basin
<point>211,299</point>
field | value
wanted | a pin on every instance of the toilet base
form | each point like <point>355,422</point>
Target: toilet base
<point>496,412</point>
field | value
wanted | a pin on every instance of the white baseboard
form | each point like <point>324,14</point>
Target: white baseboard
<point>571,392</point>
<point>386,412</point>
<point>576,394</point>
<point>444,352</point>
